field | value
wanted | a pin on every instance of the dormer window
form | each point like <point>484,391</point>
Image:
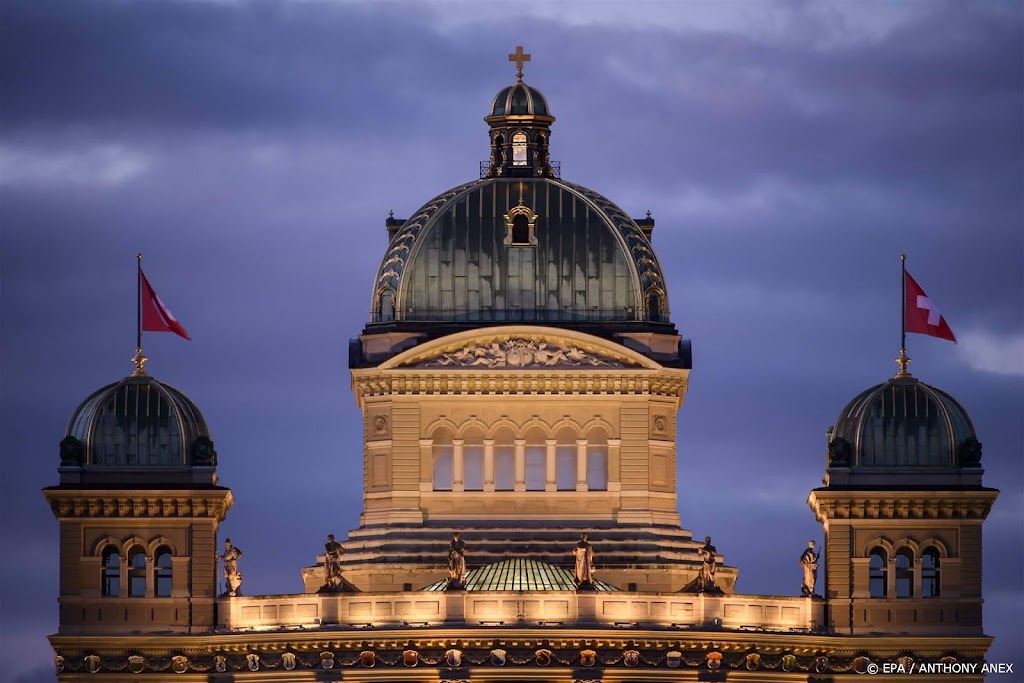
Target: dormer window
<point>519,149</point>
<point>521,227</point>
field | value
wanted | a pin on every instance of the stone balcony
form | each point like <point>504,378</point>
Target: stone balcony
<point>520,609</point>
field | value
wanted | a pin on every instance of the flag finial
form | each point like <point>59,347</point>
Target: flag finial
<point>903,361</point>
<point>140,361</point>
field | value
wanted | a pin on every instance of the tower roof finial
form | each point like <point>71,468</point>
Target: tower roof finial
<point>519,57</point>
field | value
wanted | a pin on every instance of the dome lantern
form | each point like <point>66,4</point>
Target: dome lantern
<point>520,129</point>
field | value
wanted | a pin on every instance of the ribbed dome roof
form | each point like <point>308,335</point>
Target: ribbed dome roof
<point>520,574</point>
<point>579,258</point>
<point>137,422</point>
<point>904,423</point>
<point>519,100</point>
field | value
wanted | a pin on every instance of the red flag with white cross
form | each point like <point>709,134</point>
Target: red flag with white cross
<point>921,316</point>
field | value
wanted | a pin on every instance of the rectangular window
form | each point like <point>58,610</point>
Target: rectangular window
<point>473,468</point>
<point>597,468</point>
<point>565,468</point>
<point>504,468</point>
<point>535,469</point>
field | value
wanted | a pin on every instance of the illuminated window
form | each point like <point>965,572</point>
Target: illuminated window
<point>442,460</point>
<point>536,460</point>
<point>111,572</point>
<point>565,460</point>
<point>162,572</point>
<point>519,149</point>
<point>904,574</point>
<point>504,460</point>
<point>930,573</point>
<point>473,462</point>
<point>137,573</point>
<point>878,574</point>
<point>597,460</point>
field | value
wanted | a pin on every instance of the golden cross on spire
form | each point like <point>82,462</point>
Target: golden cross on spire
<point>519,57</point>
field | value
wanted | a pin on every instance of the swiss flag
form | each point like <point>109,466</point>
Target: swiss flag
<point>922,316</point>
<point>155,316</point>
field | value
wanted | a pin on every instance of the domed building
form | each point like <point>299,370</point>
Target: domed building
<point>519,378</point>
<point>139,502</point>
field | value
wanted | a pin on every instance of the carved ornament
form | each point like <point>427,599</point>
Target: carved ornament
<point>520,353</point>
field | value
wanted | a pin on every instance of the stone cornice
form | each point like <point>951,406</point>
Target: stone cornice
<point>158,503</point>
<point>901,505</point>
<point>663,382</point>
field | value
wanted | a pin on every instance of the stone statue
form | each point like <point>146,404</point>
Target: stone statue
<point>706,578</point>
<point>232,577</point>
<point>584,573</point>
<point>809,562</point>
<point>332,563</point>
<point>456,563</point>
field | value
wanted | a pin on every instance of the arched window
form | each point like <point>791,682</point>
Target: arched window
<point>387,305</point>
<point>111,572</point>
<point>137,572</point>
<point>442,460</point>
<point>162,572</point>
<point>597,460</point>
<point>930,573</point>
<point>878,584</point>
<point>536,459</point>
<point>565,459</point>
<point>504,459</point>
<point>654,312</point>
<point>473,461</point>
<point>542,149</point>
<point>904,573</point>
<point>519,149</point>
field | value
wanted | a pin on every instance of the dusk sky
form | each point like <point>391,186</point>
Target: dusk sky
<point>788,151</point>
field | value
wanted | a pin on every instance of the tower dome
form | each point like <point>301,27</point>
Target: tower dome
<point>137,423</point>
<point>519,100</point>
<point>904,423</point>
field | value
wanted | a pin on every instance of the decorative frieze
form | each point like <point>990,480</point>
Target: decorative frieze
<point>387,383</point>
<point>134,506</point>
<point>897,505</point>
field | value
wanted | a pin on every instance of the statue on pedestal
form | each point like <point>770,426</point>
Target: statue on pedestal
<point>709,559</point>
<point>232,577</point>
<point>456,563</point>
<point>809,562</point>
<point>332,565</point>
<point>584,571</point>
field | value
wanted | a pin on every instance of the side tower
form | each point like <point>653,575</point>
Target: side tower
<point>902,509</point>
<point>139,506</point>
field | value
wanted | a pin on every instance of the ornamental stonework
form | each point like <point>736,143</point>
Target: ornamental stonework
<point>520,353</point>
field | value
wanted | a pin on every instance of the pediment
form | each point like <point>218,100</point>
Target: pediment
<point>520,347</point>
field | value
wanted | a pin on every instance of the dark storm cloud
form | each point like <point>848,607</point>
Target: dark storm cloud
<point>252,150</point>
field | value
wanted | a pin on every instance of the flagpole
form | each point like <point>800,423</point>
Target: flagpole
<point>138,359</point>
<point>903,360</point>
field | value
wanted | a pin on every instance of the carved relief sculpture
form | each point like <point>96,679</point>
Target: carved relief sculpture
<point>520,353</point>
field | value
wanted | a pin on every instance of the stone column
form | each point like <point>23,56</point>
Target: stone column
<point>550,480</point>
<point>581,465</point>
<point>488,464</point>
<point>457,465</point>
<point>520,465</point>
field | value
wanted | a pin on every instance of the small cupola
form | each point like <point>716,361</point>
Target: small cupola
<point>520,129</point>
